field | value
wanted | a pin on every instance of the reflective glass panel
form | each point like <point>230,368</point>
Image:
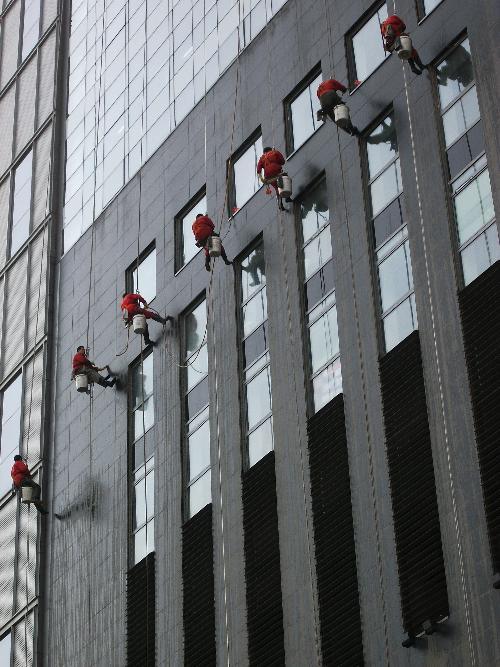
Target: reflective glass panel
<point>399,324</point>
<point>254,312</point>
<point>146,284</point>
<point>386,187</point>
<point>199,450</point>
<point>187,242</point>
<point>395,276</point>
<point>461,116</point>
<point>480,254</point>
<point>200,493</point>
<point>11,430</point>
<point>21,207</point>
<point>259,397</point>
<point>327,384</point>
<point>455,73</point>
<point>314,211</point>
<point>144,418</point>
<point>368,46</point>
<point>474,206</point>
<point>260,442</point>
<point>5,646</point>
<point>31,25</point>
<point>142,380</point>
<point>324,339</point>
<point>430,4</point>
<point>196,324</point>
<point>197,367</point>
<point>253,272</point>
<point>381,146</point>
<point>303,112</point>
<point>317,252</point>
<point>246,182</point>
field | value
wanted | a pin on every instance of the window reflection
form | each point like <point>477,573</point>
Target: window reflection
<point>144,280</point>
<point>21,207</point>
<point>368,47</point>
<point>245,179</point>
<point>303,110</point>
<point>11,430</point>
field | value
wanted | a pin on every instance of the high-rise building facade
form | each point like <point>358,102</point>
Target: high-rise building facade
<point>31,71</point>
<point>301,470</point>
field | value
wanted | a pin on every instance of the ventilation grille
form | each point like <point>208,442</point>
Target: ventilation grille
<point>413,489</point>
<point>262,565</point>
<point>480,307</point>
<point>141,613</point>
<point>198,583</point>
<point>339,611</point>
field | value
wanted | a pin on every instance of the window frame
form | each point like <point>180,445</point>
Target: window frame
<point>12,186</point>
<point>18,374</point>
<point>230,176</point>
<point>178,231</point>
<point>186,430</point>
<point>129,273</point>
<point>349,45</point>
<point>287,108</point>
<point>243,369</point>
<point>137,473</point>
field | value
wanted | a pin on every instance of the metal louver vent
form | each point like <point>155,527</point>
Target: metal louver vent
<point>422,579</point>
<point>141,651</point>
<point>480,309</point>
<point>339,611</point>
<point>198,587</point>
<point>262,565</point>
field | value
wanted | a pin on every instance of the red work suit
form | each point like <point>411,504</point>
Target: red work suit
<point>330,85</point>
<point>130,305</point>
<point>392,28</point>
<point>203,228</point>
<point>272,163</point>
<point>19,472</point>
<point>80,361</point>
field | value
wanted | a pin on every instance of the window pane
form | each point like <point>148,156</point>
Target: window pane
<point>367,45</point>
<point>196,324</point>
<point>259,397</point>
<point>394,277</point>
<point>11,430</point>
<point>398,325</point>
<point>303,111</point>
<point>455,73</point>
<point>254,312</point>
<point>200,493</point>
<point>21,208</point>
<point>189,249</point>
<point>253,272</point>
<point>381,146</point>
<point>474,206</point>
<point>140,550</point>
<point>142,380</point>
<point>5,644</point>
<point>327,384</point>
<point>144,418</point>
<point>246,182</point>
<point>146,285</point>
<point>314,211</point>
<point>430,4</point>
<point>260,442</point>
<point>31,25</point>
<point>199,450</point>
<point>386,187</point>
<point>197,367</point>
<point>462,115</point>
<point>493,243</point>
<point>255,344</point>
<point>324,339</point>
<point>140,503</point>
<point>317,252</point>
<point>388,221</point>
<point>197,399</point>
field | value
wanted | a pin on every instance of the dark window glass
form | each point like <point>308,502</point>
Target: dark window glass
<point>197,399</point>
<point>388,221</point>
<point>256,344</point>
<point>455,73</point>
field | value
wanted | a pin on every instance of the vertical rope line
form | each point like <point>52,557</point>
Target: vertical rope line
<point>367,425</point>
<point>456,520</point>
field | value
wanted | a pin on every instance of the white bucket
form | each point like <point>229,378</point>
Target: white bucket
<point>214,246</point>
<point>285,186</point>
<point>139,323</point>
<point>82,382</point>
<point>406,47</point>
<point>342,116</point>
<point>27,494</point>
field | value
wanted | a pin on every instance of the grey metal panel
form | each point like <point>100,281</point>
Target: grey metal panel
<point>7,559</point>
<point>46,77</point>
<point>41,191</point>
<point>25,112</point>
<point>10,43</point>
<point>7,104</point>
<point>15,314</point>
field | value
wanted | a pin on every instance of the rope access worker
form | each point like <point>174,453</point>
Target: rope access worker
<point>82,364</point>
<point>392,29</point>
<point>203,228</point>
<point>130,306</point>
<point>272,161</point>
<point>21,476</point>
<point>329,98</point>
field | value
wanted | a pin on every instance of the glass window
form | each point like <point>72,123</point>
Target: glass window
<point>11,430</point>
<point>31,25</point>
<point>5,649</point>
<point>429,5</point>
<point>186,248</point>
<point>245,179</point>
<point>395,276</point>
<point>144,277</point>
<point>197,413</point>
<point>257,373</point>
<point>321,311</point>
<point>302,114</point>
<point>367,46</point>
<point>21,206</point>
<point>469,183</point>
<point>142,403</point>
<point>400,323</point>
